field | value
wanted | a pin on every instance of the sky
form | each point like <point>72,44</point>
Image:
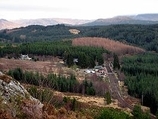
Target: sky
<point>75,9</point>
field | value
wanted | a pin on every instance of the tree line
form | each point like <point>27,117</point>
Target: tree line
<point>86,56</point>
<point>53,81</point>
<point>140,35</point>
<point>36,33</point>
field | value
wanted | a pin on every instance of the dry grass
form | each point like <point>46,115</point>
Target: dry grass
<point>91,100</point>
<point>43,67</point>
<point>111,45</point>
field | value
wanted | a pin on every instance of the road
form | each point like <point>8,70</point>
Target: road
<point>115,90</point>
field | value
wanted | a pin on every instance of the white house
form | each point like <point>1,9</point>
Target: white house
<point>25,57</point>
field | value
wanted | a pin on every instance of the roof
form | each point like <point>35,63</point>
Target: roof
<point>98,67</point>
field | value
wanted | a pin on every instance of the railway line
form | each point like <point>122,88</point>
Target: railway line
<point>115,90</point>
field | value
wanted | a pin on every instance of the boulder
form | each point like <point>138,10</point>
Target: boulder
<point>16,99</point>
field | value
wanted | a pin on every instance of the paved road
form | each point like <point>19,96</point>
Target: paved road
<point>115,90</point>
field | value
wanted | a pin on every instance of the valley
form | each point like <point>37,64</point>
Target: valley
<point>85,68</point>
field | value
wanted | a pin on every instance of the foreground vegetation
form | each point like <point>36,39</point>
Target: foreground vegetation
<point>42,88</point>
<point>71,104</point>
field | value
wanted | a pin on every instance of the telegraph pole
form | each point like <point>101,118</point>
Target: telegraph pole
<point>142,98</point>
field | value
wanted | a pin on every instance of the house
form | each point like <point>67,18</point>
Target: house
<point>75,60</point>
<point>97,68</point>
<point>88,71</point>
<point>25,57</point>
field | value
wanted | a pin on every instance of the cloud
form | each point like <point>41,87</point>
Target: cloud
<point>85,9</point>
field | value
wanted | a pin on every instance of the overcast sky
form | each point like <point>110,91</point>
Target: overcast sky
<point>75,9</point>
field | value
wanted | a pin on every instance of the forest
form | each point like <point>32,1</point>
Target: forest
<point>36,33</point>
<point>139,35</point>
<point>142,78</point>
<point>86,56</point>
<point>55,82</point>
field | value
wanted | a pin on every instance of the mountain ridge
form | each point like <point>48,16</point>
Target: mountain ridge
<point>126,19</point>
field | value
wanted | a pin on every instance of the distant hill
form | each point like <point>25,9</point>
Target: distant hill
<point>37,33</point>
<point>50,21</point>
<point>5,24</point>
<point>135,19</point>
<point>43,22</point>
<point>71,21</point>
<point>146,17</point>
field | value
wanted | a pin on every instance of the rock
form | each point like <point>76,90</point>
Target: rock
<point>13,93</point>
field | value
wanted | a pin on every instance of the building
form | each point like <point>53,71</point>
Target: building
<point>25,57</point>
<point>97,68</point>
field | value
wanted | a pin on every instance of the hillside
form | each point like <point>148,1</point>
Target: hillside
<point>133,19</point>
<point>147,17</point>
<point>16,102</point>
<point>5,24</point>
<point>56,104</point>
<point>144,36</point>
<point>127,19</point>
<point>42,22</point>
<point>36,33</point>
<point>46,73</point>
<point>110,45</point>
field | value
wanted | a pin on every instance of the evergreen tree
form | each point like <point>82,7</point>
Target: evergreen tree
<point>157,114</point>
<point>116,63</point>
<point>74,104</point>
<point>69,60</point>
<point>139,114</point>
<point>107,97</point>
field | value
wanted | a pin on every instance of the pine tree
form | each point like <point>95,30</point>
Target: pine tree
<point>107,97</point>
<point>116,63</point>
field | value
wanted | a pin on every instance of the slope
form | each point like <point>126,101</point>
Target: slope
<point>110,45</point>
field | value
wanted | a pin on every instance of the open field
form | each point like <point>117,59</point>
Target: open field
<point>38,66</point>
<point>108,44</point>
<point>54,65</point>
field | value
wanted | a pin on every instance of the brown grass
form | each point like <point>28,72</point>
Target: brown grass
<point>110,45</point>
<point>43,67</point>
